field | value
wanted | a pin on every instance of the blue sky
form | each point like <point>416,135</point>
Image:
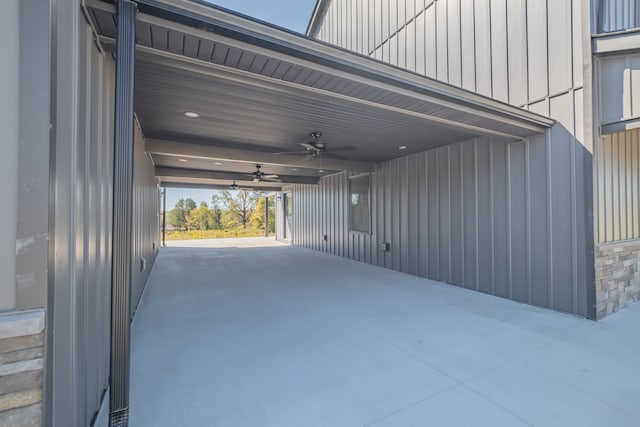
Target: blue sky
<point>291,14</point>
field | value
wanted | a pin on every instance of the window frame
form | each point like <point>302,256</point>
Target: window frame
<point>350,194</point>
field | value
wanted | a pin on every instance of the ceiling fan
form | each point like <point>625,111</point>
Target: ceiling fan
<point>259,176</point>
<point>235,186</point>
<point>318,149</point>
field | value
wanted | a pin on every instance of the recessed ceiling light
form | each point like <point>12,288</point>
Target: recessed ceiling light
<point>191,114</point>
<point>218,164</point>
<point>402,147</point>
<point>321,171</point>
<point>182,160</point>
<point>294,169</point>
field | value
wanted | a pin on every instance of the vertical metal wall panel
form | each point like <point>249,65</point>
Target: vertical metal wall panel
<point>468,44</point>
<point>508,219</point>
<point>456,203</point>
<point>413,225</point>
<point>499,56</point>
<point>146,224</point>
<point>485,216</point>
<point>403,213</point>
<point>431,47</point>
<point>521,52</point>
<point>444,214</point>
<point>537,33</point>
<point>26,117</point>
<point>433,215</point>
<point>538,206</point>
<point>618,182</point>
<point>517,51</point>
<point>469,196</point>
<point>619,83</point>
<point>618,15</point>
<point>442,47</point>
<point>560,56</point>
<point>83,159</point>
<point>423,225</point>
<point>454,47</point>
<point>483,56</point>
<point>634,84</point>
<point>577,49</point>
<point>487,207</point>
<point>561,214</point>
<point>501,219</point>
<point>519,219</point>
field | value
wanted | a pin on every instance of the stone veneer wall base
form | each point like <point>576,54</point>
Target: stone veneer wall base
<point>617,276</point>
<point>21,368</point>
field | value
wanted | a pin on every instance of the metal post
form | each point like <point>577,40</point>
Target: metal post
<point>122,215</point>
<point>164,216</point>
<point>266,216</point>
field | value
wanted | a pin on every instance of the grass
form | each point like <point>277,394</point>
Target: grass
<point>215,234</point>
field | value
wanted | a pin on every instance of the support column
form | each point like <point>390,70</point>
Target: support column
<point>164,216</point>
<point>122,215</point>
<point>9,123</point>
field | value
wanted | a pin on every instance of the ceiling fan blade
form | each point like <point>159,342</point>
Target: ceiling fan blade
<point>245,188</point>
<point>271,180</point>
<point>309,146</point>
<point>270,176</point>
<point>348,148</point>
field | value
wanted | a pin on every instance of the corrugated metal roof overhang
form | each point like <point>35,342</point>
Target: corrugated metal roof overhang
<point>215,50</point>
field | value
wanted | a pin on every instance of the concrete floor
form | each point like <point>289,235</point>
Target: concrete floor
<point>254,333</point>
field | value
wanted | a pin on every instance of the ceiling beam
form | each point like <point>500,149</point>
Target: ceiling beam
<point>212,186</point>
<point>201,151</point>
<point>167,172</point>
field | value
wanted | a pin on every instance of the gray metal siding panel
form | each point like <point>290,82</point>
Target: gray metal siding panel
<point>468,44</point>
<point>618,181</point>
<point>485,216</point>
<point>82,264</point>
<point>483,47</point>
<point>442,50</point>
<point>538,221</point>
<point>509,219</point>
<point>519,219</point>
<point>618,15</point>
<point>517,51</point>
<point>560,56</point>
<point>145,226</point>
<point>456,203</point>
<point>469,196</point>
<point>454,47</point>
<point>499,56</point>
<point>501,218</point>
<point>561,214</point>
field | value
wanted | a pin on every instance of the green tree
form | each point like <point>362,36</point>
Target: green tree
<point>240,206</point>
<point>178,215</point>
<point>216,217</point>
<point>200,218</point>
<point>257,218</point>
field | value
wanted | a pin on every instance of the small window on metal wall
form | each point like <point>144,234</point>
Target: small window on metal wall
<point>359,206</point>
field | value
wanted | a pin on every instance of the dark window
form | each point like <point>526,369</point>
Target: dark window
<point>359,190</point>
